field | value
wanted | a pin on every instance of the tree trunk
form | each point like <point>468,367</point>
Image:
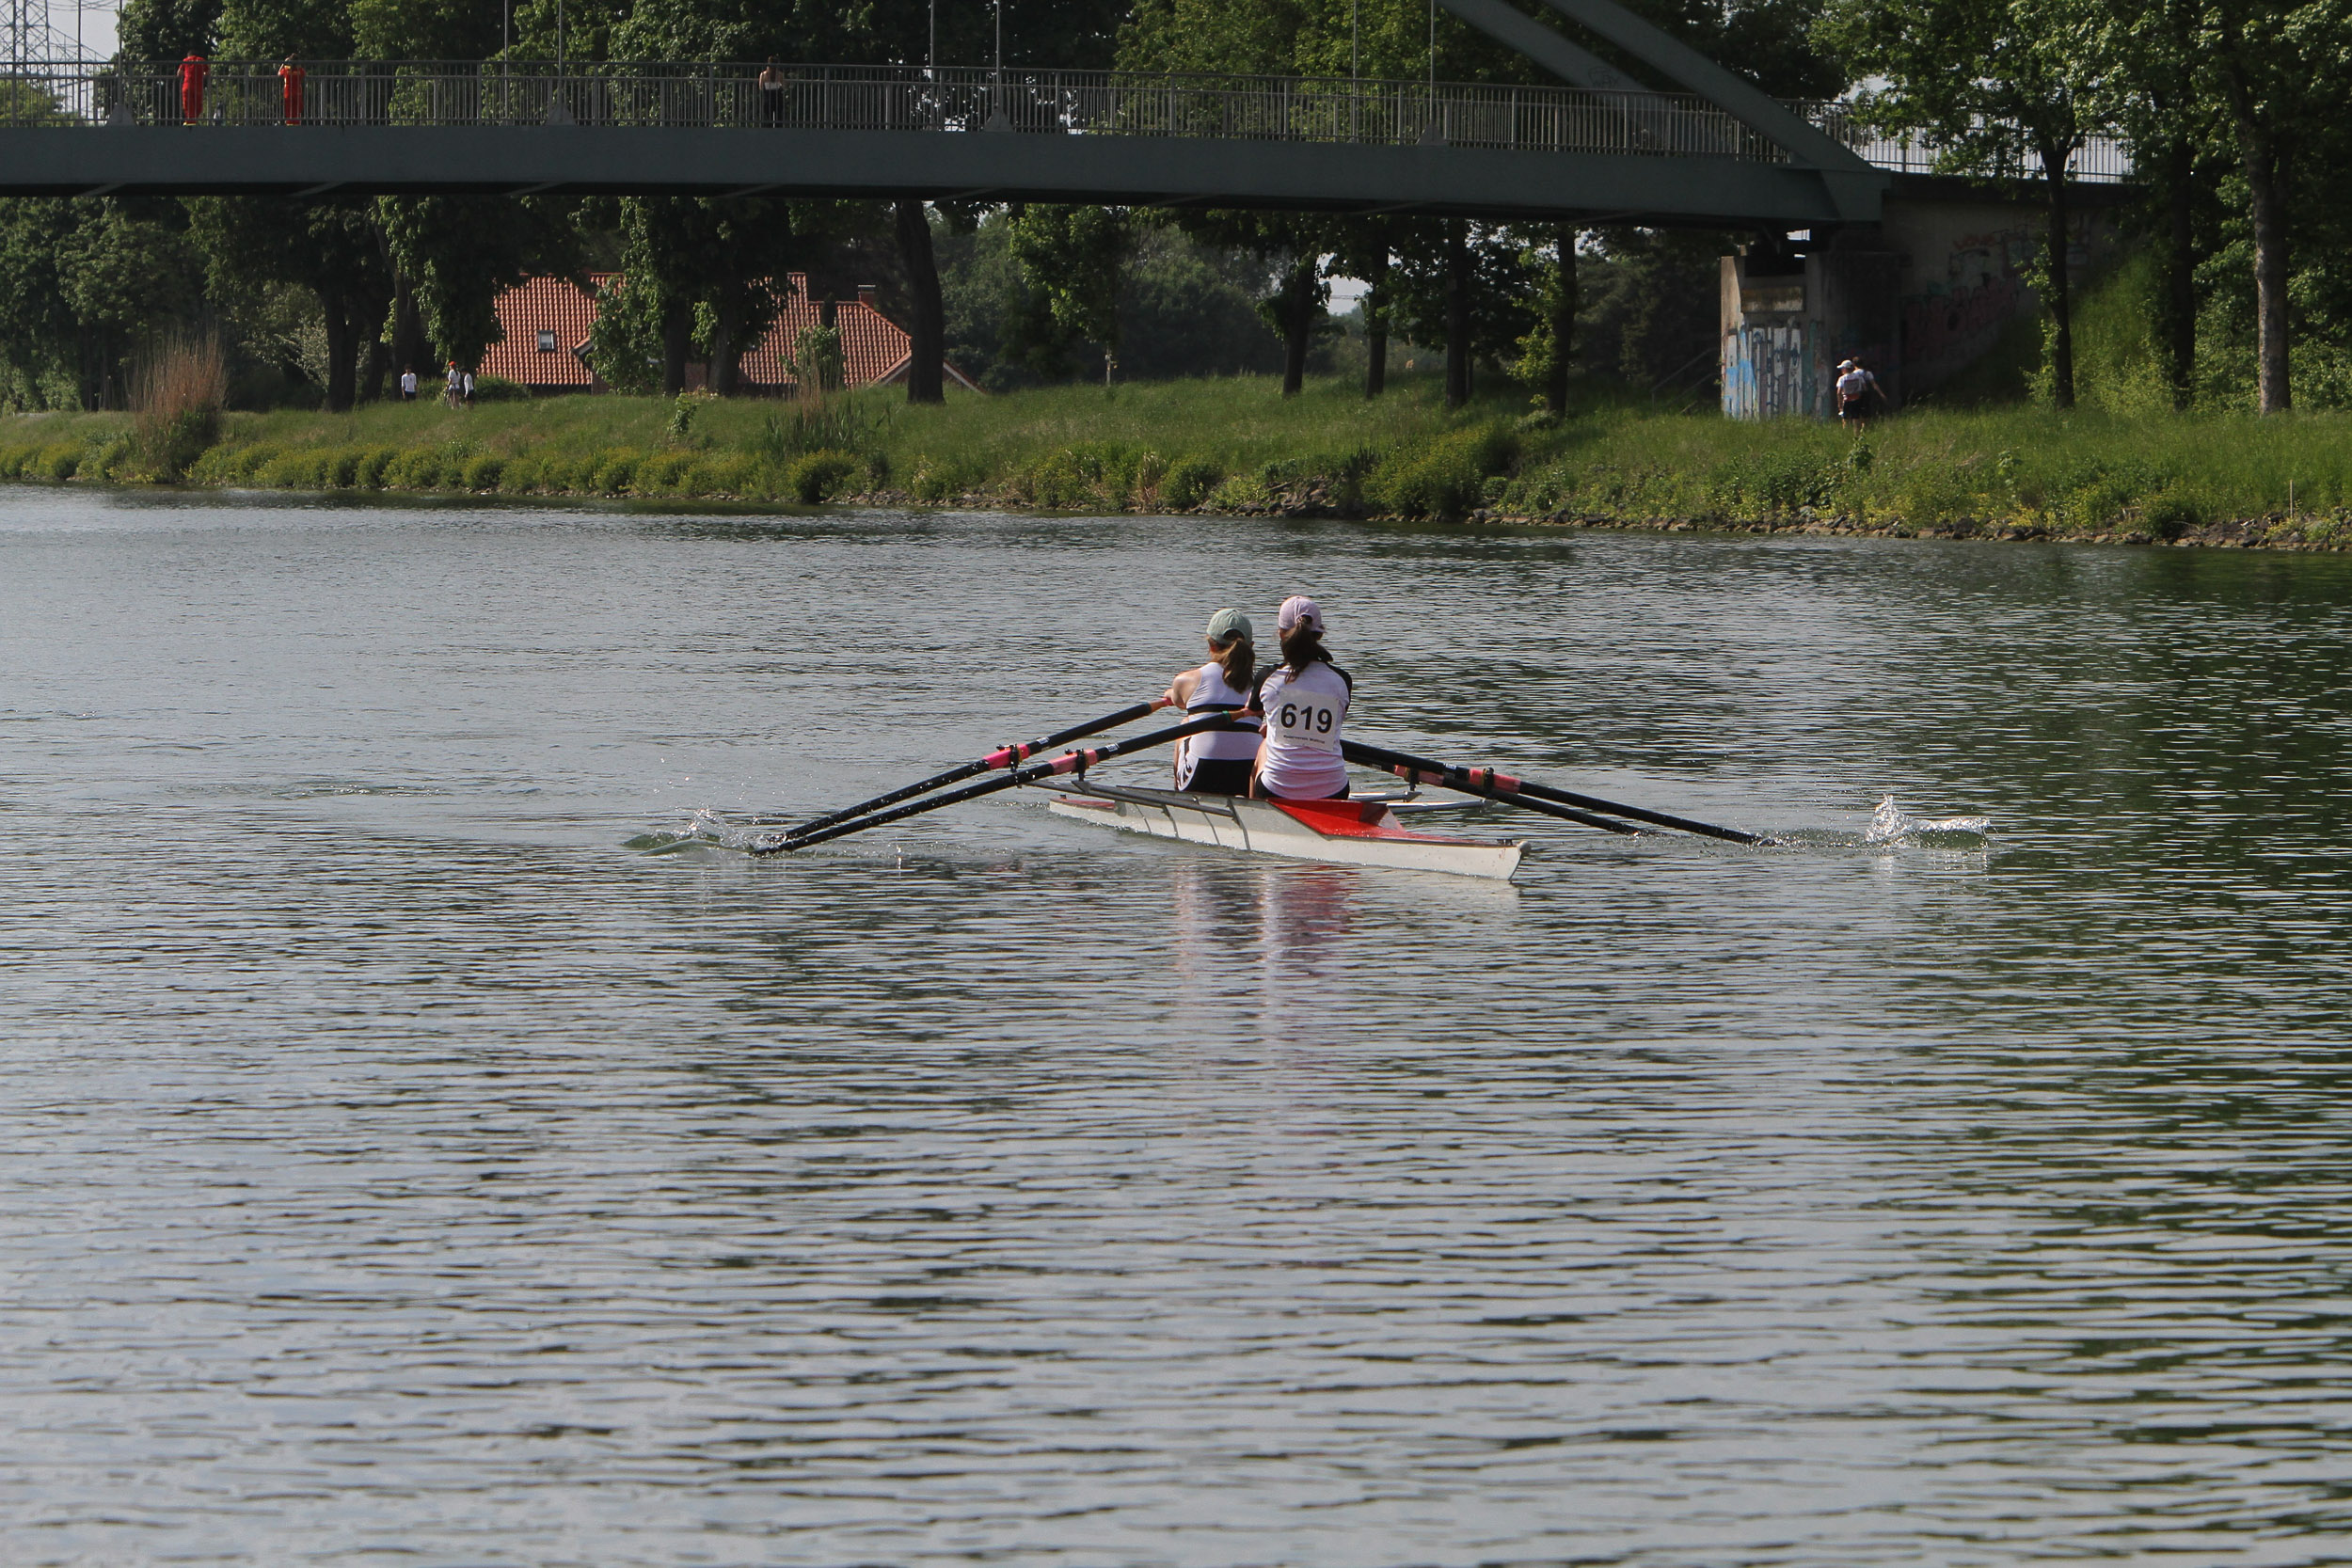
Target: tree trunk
<point>926,313</point>
<point>677,341</point>
<point>2061,302</point>
<point>1376,326</point>
<point>410,349</point>
<point>1298,323</point>
<point>1563,303</point>
<point>2181,272</point>
<point>1457,313</point>
<point>379,362</point>
<point>2258,152</point>
<point>341,352</point>
<point>724,352</point>
<point>2269,204</point>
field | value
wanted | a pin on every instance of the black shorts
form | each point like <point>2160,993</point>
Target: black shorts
<point>1219,776</point>
<point>1849,410</point>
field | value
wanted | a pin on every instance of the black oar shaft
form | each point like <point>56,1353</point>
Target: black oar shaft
<point>1503,786</point>
<point>1068,762</point>
<point>1006,757</point>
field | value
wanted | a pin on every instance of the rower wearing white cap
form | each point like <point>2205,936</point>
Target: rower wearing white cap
<point>1217,762</point>
<point>1304,702</point>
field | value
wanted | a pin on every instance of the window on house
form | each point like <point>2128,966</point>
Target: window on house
<point>547,342</point>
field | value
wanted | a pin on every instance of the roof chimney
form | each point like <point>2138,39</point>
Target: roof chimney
<point>866,293</point>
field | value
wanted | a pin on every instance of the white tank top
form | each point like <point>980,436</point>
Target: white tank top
<point>1214,693</point>
<point>1305,711</point>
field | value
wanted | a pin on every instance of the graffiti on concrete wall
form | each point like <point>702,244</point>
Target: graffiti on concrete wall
<point>1954,318</point>
<point>1767,371</point>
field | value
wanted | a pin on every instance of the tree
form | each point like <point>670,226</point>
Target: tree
<point>1990,81</point>
<point>2284,70</point>
<point>332,248</point>
<point>2151,46</point>
<point>159,30</point>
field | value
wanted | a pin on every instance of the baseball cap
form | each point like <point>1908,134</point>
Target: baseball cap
<point>1226,625</point>
<point>1299,607</point>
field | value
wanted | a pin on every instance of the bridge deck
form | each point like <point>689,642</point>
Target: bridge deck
<point>1242,141</point>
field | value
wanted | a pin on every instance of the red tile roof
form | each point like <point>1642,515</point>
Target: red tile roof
<point>547,322</point>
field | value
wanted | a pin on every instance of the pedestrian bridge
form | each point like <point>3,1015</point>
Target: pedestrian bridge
<point>1589,155</point>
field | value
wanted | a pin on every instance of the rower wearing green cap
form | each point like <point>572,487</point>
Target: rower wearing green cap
<point>1218,761</point>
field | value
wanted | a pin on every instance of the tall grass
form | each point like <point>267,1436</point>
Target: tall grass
<point>176,398</point>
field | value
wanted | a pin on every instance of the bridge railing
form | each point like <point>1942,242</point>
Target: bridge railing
<point>884,98</point>
<point>901,98</point>
<point>2100,159</point>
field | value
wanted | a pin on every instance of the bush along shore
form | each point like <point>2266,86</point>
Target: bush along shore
<point>1235,447</point>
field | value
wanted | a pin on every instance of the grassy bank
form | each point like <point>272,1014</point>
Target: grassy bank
<point>1236,446</point>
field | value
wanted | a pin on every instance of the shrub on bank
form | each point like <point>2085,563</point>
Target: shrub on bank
<point>820,476</point>
<point>1189,481</point>
<point>1444,477</point>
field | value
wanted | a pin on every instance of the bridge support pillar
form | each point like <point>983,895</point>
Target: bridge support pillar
<point>1789,320</point>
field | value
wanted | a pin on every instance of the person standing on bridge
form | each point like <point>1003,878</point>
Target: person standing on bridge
<point>192,72</point>
<point>772,96</point>
<point>291,76</point>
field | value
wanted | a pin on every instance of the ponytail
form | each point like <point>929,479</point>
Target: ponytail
<point>1239,660</point>
<point>1302,646</point>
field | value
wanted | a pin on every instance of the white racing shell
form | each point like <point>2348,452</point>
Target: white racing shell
<point>1336,833</point>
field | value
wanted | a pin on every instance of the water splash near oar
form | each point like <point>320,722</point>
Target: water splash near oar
<point>1892,825</point>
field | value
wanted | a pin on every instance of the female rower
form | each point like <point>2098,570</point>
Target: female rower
<point>1303,704</point>
<point>1218,761</point>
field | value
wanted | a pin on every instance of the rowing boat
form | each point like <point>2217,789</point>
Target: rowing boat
<point>1336,833</point>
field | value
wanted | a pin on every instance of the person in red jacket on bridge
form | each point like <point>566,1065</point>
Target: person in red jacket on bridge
<point>291,75</point>
<point>192,72</point>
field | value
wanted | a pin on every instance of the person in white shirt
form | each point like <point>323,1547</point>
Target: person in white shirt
<point>1303,702</point>
<point>408,385</point>
<point>1856,386</point>
<point>469,389</point>
<point>1218,761</point>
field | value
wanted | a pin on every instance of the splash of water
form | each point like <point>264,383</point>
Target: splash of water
<point>1890,824</point>
<point>704,830</point>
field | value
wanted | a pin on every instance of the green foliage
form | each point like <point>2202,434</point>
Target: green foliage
<point>820,476</point>
<point>1190,480</point>
<point>852,421</point>
<point>1443,477</point>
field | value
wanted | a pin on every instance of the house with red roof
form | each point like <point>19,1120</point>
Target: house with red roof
<point>547,321</point>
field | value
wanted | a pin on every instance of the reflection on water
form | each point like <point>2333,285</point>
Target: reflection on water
<point>395,1167</point>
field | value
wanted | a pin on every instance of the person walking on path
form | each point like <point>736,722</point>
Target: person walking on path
<point>1855,386</point>
<point>451,385</point>
<point>193,70</point>
<point>291,77</point>
<point>466,389</point>
<point>408,385</point>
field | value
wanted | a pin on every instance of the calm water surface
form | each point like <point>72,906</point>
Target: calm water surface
<point>397,1170</point>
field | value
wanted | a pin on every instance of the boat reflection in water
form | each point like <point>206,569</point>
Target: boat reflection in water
<point>1263,941</point>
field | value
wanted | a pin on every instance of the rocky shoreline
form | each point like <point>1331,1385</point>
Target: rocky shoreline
<point>1310,500</point>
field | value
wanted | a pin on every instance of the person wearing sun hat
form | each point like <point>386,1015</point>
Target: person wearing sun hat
<point>1303,702</point>
<point>1218,761</point>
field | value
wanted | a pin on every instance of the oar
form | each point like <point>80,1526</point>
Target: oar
<point>1003,757</point>
<point>1068,762</point>
<point>1523,792</point>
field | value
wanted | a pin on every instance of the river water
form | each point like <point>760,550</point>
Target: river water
<point>396,1167</point>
